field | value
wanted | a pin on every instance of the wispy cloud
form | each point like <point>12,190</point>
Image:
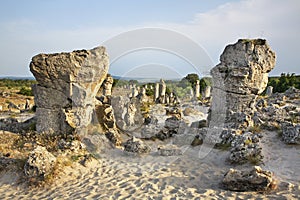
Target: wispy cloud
<point>277,21</point>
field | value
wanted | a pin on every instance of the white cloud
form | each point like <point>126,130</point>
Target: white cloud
<point>277,21</point>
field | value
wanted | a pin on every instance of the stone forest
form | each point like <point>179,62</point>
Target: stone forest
<point>84,136</point>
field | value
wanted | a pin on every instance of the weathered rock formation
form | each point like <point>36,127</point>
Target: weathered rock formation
<point>135,145</point>
<point>255,179</point>
<point>105,112</point>
<point>39,164</point>
<point>238,79</point>
<point>107,85</point>
<point>269,91</point>
<point>66,89</point>
<point>290,133</point>
<point>245,148</point>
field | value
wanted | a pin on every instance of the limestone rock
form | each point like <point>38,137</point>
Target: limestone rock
<point>39,164</point>
<point>169,150</point>
<point>66,89</point>
<point>114,136</point>
<point>245,148</point>
<point>290,133</point>
<point>107,85</point>
<point>237,80</point>
<point>255,179</point>
<point>269,91</point>
<point>135,145</point>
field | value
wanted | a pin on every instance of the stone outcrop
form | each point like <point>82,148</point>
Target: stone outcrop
<point>107,85</point>
<point>290,133</point>
<point>255,179</point>
<point>245,148</point>
<point>238,79</point>
<point>105,112</point>
<point>135,145</point>
<point>39,164</point>
<point>66,89</point>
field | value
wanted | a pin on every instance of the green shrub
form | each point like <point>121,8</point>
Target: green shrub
<point>25,91</point>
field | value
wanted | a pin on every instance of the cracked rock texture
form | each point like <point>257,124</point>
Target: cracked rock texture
<point>66,89</point>
<point>237,80</point>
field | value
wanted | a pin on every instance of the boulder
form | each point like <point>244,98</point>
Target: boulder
<point>290,133</point>
<point>254,179</point>
<point>39,164</point>
<point>245,148</point>
<point>135,145</point>
<point>66,89</point>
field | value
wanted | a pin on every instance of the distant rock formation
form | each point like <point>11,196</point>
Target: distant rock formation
<point>66,89</point>
<point>238,79</point>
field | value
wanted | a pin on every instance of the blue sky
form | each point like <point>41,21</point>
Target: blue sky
<point>34,26</point>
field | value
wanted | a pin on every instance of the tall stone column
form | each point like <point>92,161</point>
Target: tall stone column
<point>197,89</point>
<point>156,95</point>
<point>237,80</point>
<point>269,91</point>
<point>163,88</point>
<point>206,92</point>
<point>66,88</point>
<point>107,85</point>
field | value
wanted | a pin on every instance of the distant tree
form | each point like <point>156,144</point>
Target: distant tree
<point>203,84</point>
<point>25,91</point>
<point>284,82</point>
<point>192,78</point>
<point>133,82</point>
<point>184,83</point>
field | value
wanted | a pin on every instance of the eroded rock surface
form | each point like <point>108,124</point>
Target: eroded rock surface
<point>290,133</point>
<point>255,179</point>
<point>238,79</point>
<point>40,163</point>
<point>135,145</point>
<point>66,89</point>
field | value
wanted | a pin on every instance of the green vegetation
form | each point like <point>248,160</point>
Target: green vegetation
<point>26,91</point>
<point>284,82</point>
<point>10,83</point>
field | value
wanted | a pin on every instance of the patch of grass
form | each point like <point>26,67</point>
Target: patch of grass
<point>255,128</point>
<point>25,91</point>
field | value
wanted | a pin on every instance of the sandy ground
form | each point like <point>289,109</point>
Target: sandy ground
<point>117,175</point>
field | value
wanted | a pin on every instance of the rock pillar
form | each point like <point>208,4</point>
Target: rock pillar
<point>197,89</point>
<point>237,80</point>
<point>66,89</point>
<point>269,91</point>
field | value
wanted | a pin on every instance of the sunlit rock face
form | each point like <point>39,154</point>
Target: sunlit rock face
<point>237,80</point>
<point>66,89</point>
